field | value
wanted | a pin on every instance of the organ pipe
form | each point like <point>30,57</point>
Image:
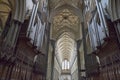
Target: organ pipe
<point>105,25</point>
<point>91,41</point>
<point>32,18</point>
<point>97,33</point>
<point>36,34</point>
<point>101,15</point>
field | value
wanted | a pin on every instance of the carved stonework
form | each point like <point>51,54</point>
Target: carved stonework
<point>7,51</point>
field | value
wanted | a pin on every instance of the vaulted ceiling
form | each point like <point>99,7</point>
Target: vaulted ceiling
<point>66,47</point>
<point>65,21</point>
<point>65,17</point>
<point>57,3</point>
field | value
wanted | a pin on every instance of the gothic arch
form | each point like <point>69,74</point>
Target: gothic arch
<point>76,11</point>
<point>65,29</point>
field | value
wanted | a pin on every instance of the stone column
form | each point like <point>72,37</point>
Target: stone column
<point>47,48</point>
<point>78,58</point>
<point>18,16</point>
<point>53,54</point>
<point>50,63</point>
<point>84,45</point>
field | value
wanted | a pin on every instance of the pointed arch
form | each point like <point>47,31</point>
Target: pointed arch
<point>76,11</point>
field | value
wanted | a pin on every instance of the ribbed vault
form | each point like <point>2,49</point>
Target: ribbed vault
<point>65,47</point>
<point>65,30</point>
<point>64,21</point>
<point>65,17</point>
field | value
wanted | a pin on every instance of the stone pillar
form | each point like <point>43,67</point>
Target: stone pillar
<point>53,54</point>
<point>84,45</point>
<point>11,38</point>
<point>47,48</point>
<point>50,63</point>
<point>78,58</point>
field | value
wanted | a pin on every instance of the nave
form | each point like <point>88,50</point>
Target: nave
<point>59,40</point>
